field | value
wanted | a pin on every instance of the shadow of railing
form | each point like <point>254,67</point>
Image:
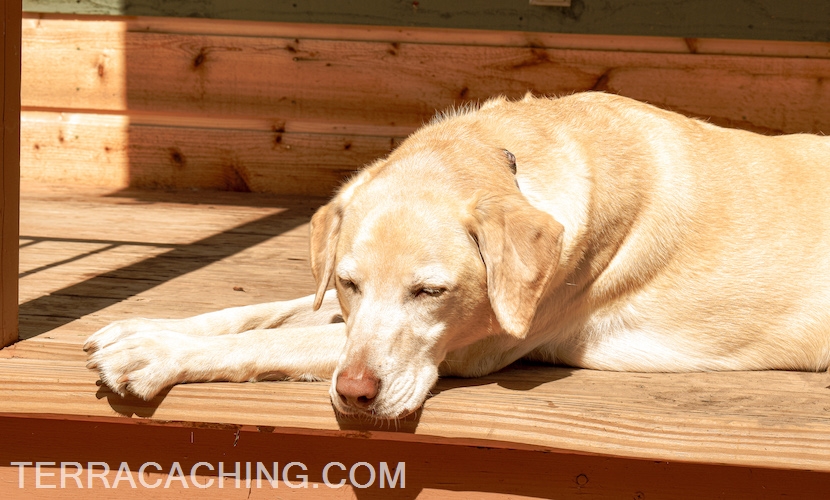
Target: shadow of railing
<point>151,272</point>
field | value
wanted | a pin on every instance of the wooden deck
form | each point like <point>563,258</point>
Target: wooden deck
<point>89,256</point>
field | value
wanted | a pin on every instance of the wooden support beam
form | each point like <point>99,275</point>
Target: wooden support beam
<point>9,167</point>
<point>753,419</point>
<point>431,469</point>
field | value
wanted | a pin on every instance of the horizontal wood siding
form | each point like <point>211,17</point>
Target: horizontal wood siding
<point>96,65</point>
<point>804,20</point>
<point>107,150</point>
<point>294,109</point>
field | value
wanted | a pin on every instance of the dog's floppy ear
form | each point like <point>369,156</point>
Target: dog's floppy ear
<point>325,229</point>
<point>520,246</point>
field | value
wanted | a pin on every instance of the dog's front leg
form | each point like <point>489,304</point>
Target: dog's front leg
<point>146,363</point>
<point>290,313</point>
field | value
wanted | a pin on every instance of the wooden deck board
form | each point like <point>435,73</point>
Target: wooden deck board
<point>184,253</point>
<point>162,255</point>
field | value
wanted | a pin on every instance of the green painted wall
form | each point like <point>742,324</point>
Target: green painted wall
<point>798,20</point>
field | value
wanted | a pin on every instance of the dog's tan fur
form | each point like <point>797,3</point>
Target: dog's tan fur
<point>629,238</point>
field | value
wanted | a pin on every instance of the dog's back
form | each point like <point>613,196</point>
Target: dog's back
<point>687,246</point>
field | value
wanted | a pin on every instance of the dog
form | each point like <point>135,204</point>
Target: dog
<point>589,230</point>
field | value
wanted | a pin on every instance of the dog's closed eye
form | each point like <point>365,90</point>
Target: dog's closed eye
<point>428,291</point>
<point>349,285</point>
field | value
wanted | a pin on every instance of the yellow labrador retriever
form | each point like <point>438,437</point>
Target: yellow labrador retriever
<point>590,230</point>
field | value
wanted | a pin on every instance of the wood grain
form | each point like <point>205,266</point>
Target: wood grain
<point>446,36</point>
<point>191,245</point>
<point>285,108</point>
<point>762,419</point>
<point>10,41</point>
<point>100,66</point>
<point>434,469</point>
<point>748,19</point>
<point>295,109</point>
<point>113,151</point>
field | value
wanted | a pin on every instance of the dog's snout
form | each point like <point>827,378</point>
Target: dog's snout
<point>357,391</point>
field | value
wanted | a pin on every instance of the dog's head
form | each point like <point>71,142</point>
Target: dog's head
<point>426,259</point>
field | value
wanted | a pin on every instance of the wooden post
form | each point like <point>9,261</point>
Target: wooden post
<point>9,168</point>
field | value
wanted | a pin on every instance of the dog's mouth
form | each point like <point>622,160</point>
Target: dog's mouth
<point>376,411</point>
<point>397,396</point>
<point>372,414</point>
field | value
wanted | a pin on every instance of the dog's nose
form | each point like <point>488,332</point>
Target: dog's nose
<point>357,391</point>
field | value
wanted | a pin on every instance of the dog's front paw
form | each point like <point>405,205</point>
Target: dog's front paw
<point>143,363</point>
<point>119,330</point>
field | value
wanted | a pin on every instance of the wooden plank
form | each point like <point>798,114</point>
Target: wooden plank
<point>756,19</point>
<point>78,148</point>
<point>106,41</point>
<point>45,347</point>
<point>433,470</point>
<point>756,419</point>
<point>574,432</point>
<point>65,300</point>
<point>674,410</point>
<point>769,419</point>
<point>74,149</point>
<point>398,84</point>
<point>109,150</point>
<point>448,36</point>
<point>273,161</point>
<point>131,217</point>
<point>527,415</point>
<point>9,167</point>
<point>154,246</point>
